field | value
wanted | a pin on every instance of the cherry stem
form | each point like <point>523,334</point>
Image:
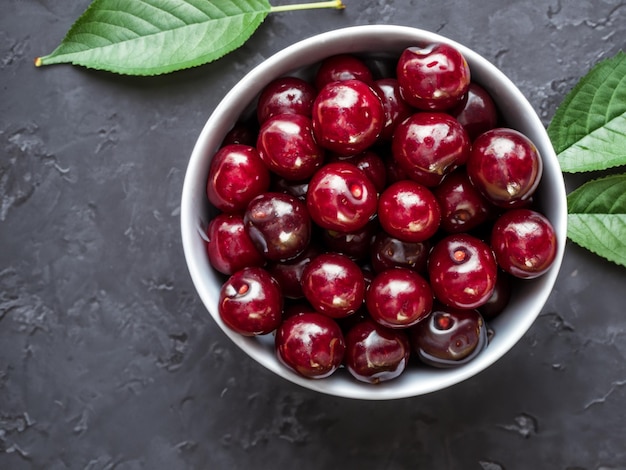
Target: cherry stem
<point>336,4</point>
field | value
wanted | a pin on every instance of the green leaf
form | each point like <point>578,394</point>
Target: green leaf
<point>597,217</point>
<point>588,130</point>
<point>149,37</point>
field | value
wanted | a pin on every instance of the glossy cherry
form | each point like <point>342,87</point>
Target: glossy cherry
<point>389,252</point>
<point>285,95</point>
<point>286,145</point>
<point>279,225</point>
<point>398,298</point>
<point>348,117</point>
<point>449,337</point>
<point>334,285</point>
<point>409,211</point>
<point>500,297</point>
<point>434,77</point>
<point>428,146</point>
<point>463,207</point>
<point>376,354</point>
<point>229,247</point>
<point>341,197</point>
<point>357,245</point>
<point>250,302</point>
<point>395,107</point>
<point>505,166</point>
<point>477,113</point>
<point>373,166</point>
<point>524,243</point>
<point>236,175</point>
<point>311,344</point>
<point>342,67</point>
<point>288,274</point>
<point>462,271</point>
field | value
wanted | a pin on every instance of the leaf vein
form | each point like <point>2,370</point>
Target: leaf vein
<point>171,13</point>
<point>591,231</point>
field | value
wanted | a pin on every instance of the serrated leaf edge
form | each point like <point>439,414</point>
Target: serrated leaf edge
<point>556,123</point>
<point>609,160</point>
<point>52,58</point>
<point>609,254</point>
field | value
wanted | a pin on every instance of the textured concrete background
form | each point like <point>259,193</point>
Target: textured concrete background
<point>109,361</point>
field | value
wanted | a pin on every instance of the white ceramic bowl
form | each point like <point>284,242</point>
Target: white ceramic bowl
<point>300,58</point>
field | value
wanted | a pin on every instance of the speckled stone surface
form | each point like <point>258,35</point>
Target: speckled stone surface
<point>108,360</point>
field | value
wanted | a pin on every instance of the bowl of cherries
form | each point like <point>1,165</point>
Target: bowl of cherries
<point>375,212</point>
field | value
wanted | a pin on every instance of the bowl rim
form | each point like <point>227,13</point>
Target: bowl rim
<point>304,53</point>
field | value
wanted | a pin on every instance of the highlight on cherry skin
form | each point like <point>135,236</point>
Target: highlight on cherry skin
<point>373,223</point>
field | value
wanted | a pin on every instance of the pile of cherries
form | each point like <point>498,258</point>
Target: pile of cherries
<point>371,221</point>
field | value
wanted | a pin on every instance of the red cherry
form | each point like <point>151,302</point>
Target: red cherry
<point>434,77</point>
<point>310,344</point>
<point>251,302</point>
<point>348,117</point>
<point>287,146</point>
<point>409,211</point>
<point>399,298</point>
<point>428,146</point>
<point>229,247</point>
<point>524,243</point>
<point>334,285</point>
<point>236,175</point>
<point>340,197</point>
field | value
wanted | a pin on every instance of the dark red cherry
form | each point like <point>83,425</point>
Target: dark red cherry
<point>348,117</point>
<point>396,109</point>
<point>369,162</point>
<point>288,274</point>
<point>500,297</point>
<point>295,307</point>
<point>334,285</point>
<point>251,302</point>
<point>236,175</point>
<point>449,337</point>
<point>285,95</point>
<point>505,166</point>
<point>434,77</point>
<point>376,354</point>
<point>409,211</point>
<point>462,271</point>
<point>398,298</point>
<point>428,146</point>
<point>394,171</point>
<point>287,146</point>
<point>357,245</point>
<point>389,252</point>
<point>341,197</point>
<point>229,247</point>
<point>342,67</point>
<point>373,166</point>
<point>243,132</point>
<point>524,243</point>
<point>310,344</point>
<point>279,225</point>
<point>477,113</point>
<point>294,188</point>
<point>463,207</point>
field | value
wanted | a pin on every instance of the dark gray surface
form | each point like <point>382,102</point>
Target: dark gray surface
<point>109,361</point>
